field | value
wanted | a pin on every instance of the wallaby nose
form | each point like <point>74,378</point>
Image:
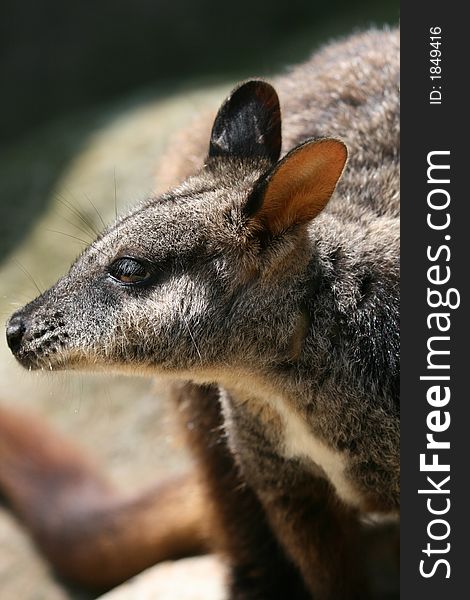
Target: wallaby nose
<point>16,329</point>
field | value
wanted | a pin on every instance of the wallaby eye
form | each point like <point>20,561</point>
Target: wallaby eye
<point>129,270</point>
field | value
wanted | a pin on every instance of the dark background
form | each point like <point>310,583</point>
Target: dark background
<point>57,56</point>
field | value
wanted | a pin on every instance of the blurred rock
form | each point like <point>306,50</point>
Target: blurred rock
<point>200,578</point>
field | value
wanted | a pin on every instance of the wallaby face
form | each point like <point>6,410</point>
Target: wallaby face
<point>182,284</point>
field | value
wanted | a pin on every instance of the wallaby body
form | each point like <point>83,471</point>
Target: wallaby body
<point>279,304</point>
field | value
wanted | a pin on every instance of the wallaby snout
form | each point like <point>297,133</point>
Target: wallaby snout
<point>16,330</point>
<point>33,337</point>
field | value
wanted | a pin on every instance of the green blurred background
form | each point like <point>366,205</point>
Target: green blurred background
<point>90,93</point>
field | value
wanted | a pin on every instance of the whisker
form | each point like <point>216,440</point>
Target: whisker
<point>28,274</point>
<point>191,336</point>
<point>74,237</point>
<point>82,229</point>
<point>115,195</point>
<point>69,235</point>
<point>96,210</point>
<point>77,213</point>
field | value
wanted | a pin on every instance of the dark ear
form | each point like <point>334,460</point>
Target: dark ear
<point>298,188</point>
<point>248,123</point>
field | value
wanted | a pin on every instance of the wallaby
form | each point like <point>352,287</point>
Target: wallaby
<point>268,280</point>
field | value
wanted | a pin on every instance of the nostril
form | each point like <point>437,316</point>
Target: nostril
<point>16,329</point>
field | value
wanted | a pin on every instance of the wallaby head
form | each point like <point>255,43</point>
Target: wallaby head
<point>204,277</point>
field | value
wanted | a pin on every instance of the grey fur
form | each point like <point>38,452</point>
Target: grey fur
<point>309,317</point>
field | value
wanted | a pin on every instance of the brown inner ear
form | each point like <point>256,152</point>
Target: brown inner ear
<point>300,187</point>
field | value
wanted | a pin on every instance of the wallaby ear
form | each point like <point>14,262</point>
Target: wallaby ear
<point>298,188</point>
<point>248,123</point>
